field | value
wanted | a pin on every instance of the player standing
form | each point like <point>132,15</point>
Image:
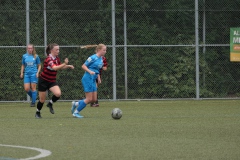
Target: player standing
<point>92,68</point>
<point>47,79</point>
<point>30,69</point>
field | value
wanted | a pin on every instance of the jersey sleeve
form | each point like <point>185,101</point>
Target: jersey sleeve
<point>105,64</point>
<point>23,60</point>
<point>50,62</point>
<point>89,61</point>
<point>38,60</point>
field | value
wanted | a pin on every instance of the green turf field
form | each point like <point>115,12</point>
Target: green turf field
<point>148,130</point>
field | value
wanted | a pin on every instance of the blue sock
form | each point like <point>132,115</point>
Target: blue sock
<point>29,93</point>
<point>81,105</point>
<point>34,96</point>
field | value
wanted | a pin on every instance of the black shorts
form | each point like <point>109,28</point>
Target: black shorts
<point>97,78</point>
<point>44,85</point>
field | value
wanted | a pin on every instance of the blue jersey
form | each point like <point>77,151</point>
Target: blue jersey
<point>30,64</point>
<point>94,63</point>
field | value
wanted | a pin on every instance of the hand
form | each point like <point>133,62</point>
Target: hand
<point>71,66</point>
<point>37,74</point>
<point>21,75</point>
<point>66,61</point>
<point>99,80</point>
<point>91,72</point>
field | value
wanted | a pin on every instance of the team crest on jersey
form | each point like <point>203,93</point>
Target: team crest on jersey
<point>89,59</point>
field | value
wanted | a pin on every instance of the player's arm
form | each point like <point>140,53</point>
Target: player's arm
<point>39,69</point>
<point>68,66</point>
<point>61,66</point>
<point>38,66</point>
<point>85,68</point>
<point>21,72</point>
<point>99,79</point>
<point>104,68</point>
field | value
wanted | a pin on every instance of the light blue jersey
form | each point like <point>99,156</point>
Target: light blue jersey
<point>94,63</point>
<point>30,64</point>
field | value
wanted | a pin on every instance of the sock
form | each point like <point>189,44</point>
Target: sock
<point>39,106</point>
<point>81,106</point>
<point>34,96</point>
<point>29,93</point>
<point>54,99</point>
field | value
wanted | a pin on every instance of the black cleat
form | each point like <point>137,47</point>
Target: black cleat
<point>49,105</point>
<point>38,115</point>
<point>32,105</point>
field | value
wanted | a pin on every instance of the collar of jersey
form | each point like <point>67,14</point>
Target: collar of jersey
<point>52,56</point>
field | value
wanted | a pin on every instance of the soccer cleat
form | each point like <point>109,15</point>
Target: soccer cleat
<point>95,105</point>
<point>77,115</point>
<point>49,105</point>
<point>38,115</point>
<point>32,105</point>
<point>73,107</point>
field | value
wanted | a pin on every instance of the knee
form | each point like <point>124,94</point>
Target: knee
<point>41,99</point>
<point>58,94</point>
<point>27,89</point>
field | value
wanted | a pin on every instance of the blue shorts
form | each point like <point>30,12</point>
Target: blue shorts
<point>89,83</point>
<point>30,79</point>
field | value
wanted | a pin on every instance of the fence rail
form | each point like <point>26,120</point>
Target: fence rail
<point>154,55</point>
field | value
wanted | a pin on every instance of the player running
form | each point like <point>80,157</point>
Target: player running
<point>30,69</point>
<point>47,79</point>
<point>92,68</point>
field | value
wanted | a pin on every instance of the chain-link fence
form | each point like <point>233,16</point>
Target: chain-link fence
<point>156,61</point>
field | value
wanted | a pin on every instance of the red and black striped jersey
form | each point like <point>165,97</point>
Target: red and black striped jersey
<point>48,73</point>
<point>105,64</point>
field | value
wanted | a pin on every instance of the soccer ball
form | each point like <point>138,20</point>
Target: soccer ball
<point>116,113</point>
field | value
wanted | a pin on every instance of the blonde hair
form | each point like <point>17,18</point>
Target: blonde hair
<point>34,50</point>
<point>97,47</point>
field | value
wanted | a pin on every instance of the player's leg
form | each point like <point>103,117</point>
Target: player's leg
<point>42,88</point>
<point>81,104</point>
<point>33,88</point>
<point>88,87</point>
<point>27,87</point>
<point>96,101</point>
<point>56,95</point>
<point>92,104</point>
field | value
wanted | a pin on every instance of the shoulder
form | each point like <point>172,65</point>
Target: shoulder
<point>48,58</point>
<point>24,55</point>
<point>91,58</point>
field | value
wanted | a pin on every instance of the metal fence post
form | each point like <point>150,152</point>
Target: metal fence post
<point>197,49</point>
<point>114,51</point>
<point>27,31</point>
<point>125,50</point>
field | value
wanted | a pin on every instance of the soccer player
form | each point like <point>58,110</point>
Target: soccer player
<point>47,79</point>
<point>105,64</point>
<point>92,68</point>
<point>30,69</point>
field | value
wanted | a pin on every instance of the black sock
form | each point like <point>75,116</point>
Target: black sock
<point>54,98</point>
<point>39,105</point>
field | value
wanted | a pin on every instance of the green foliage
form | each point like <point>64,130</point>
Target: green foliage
<point>153,72</point>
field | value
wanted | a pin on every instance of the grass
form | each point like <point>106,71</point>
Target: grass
<point>148,130</point>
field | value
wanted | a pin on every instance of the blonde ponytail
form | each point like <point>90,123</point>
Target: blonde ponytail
<point>97,47</point>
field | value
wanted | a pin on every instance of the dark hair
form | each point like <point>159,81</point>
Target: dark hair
<point>50,47</point>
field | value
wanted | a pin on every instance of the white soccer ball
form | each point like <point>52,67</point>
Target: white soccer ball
<point>116,113</point>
